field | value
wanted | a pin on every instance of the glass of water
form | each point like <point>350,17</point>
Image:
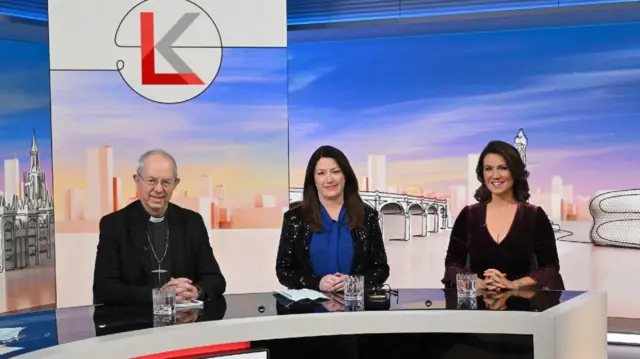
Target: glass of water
<point>163,320</point>
<point>354,287</point>
<point>467,285</point>
<point>354,305</point>
<point>468,303</point>
<point>164,301</point>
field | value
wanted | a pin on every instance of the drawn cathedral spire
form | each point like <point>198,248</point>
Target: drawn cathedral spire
<point>35,185</point>
<point>26,217</point>
<point>35,153</point>
<point>521,142</point>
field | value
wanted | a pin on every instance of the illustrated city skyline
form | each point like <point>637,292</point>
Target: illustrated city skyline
<point>15,174</point>
<point>103,192</point>
<point>235,133</point>
<point>577,101</point>
<point>558,198</point>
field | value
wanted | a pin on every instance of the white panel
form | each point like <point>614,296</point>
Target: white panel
<point>82,32</point>
<point>577,326</point>
<point>623,339</point>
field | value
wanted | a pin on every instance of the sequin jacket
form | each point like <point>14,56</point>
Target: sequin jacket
<point>293,264</point>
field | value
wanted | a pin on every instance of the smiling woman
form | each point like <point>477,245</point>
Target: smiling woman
<point>501,171</point>
<point>506,241</point>
<point>332,233</point>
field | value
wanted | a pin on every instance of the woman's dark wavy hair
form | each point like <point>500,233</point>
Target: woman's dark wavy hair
<point>352,201</point>
<point>515,165</point>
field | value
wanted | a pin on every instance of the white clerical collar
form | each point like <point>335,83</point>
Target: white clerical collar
<point>153,219</point>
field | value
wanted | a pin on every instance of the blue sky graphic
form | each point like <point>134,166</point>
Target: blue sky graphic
<point>24,103</point>
<point>574,90</point>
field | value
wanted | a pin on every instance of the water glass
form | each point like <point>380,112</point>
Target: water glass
<point>468,303</point>
<point>354,305</point>
<point>163,320</point>
<point>164,301</point>
<point>354,287</point>
<point>467,285</point>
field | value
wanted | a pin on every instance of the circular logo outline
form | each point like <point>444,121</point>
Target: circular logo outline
<point>120,64</point>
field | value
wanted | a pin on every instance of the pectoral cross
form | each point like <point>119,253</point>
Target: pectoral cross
<point>159,271</point>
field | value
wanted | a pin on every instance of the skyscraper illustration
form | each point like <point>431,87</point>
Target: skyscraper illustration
<point>12,177</point>
<point>377,172</point>
<point>99,177</point>
<point>27,232</point>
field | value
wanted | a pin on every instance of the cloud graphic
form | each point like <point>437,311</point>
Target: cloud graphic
<point>233,119</point>
<point>300,80</point>
<point>301,128</point>
<point>425,127</point>
<point>554,156</point>
<point>618,58</point>
<point>22,90</point>
<point>251,66</point>
<point>17,101</point>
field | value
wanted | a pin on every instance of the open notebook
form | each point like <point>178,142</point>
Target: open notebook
<point>291,296</point>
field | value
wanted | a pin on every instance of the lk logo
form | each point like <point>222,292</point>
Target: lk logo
<point>179,66</point>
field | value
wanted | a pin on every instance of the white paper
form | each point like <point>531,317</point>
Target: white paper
<point>190,305</point>
<point>297,295</point>
<point>10,334</point>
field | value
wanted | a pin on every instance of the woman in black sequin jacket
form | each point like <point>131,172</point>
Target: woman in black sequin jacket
<point>331,228</point>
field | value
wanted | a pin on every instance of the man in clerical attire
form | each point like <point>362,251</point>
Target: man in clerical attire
<point>152,243</point>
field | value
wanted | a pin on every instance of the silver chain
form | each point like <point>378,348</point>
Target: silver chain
<point>166,248</point>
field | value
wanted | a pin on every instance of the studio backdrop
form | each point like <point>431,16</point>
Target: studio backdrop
<point>213,84</point>
<point>27,245</point>
<point>413,113</point>
<point>210,88</point>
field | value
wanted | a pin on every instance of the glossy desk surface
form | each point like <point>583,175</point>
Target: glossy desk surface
<point>31,331</point>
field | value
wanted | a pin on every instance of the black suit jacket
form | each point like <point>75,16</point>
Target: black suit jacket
<point>293,264</point>
<point>123,263</point>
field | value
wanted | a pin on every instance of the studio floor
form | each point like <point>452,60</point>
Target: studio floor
<point>30,287</point>
<point>247,258</point>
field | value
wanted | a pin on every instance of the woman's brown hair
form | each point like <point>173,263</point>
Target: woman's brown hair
<point>352,201</point>
<point>514,163</point>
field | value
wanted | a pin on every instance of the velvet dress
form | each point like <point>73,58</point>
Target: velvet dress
<point>528,249</point>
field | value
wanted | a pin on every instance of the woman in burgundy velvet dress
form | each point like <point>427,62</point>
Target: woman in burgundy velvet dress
<point>506,241</point>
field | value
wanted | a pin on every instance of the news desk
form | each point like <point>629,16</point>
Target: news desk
<point>408,323</point>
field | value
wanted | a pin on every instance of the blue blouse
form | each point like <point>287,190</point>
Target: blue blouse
<point>331,251</point>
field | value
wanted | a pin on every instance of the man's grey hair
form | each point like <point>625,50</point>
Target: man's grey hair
<point>158,152</point>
